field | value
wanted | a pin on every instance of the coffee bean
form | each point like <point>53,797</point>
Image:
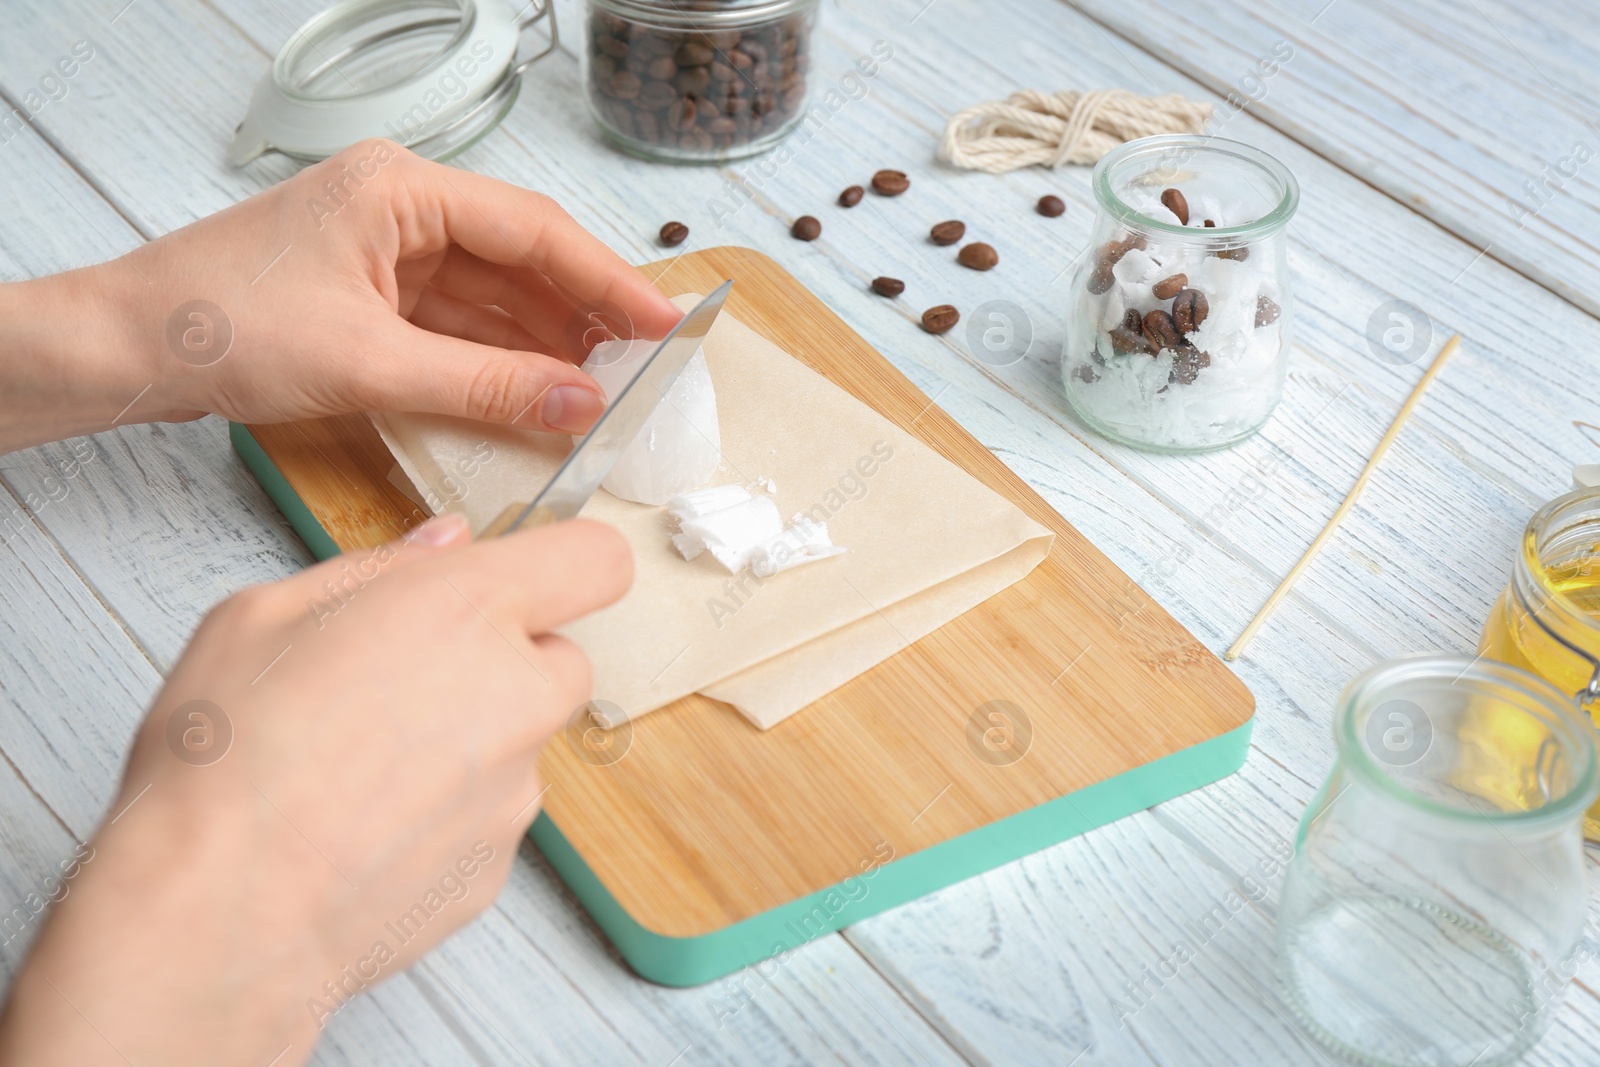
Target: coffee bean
<point>978,256</point>
<point>694,54</point>
<point>947,233</point>
<point>1051,207</point>
<point>1125,341</point>
<point>1167,288</point>
<point>1161,331</point>
<point>1267,312</point>
<point>888,286</point>
<point>806,228</point>
<point>1176,204</point>
<point>1239,254</point>
<point>673,233</point>
<point>1209,224</point>
<point>1189,310</point>
<point>1101,279</point>
<point>851,196</point>
<point>890,183</point>
<point>692,81</point>
<point>1132,320</point>
<point>681,116</point>
<point>1185,366</point>
<point>656,95</point>
<point>662,68</point>
<point>940,319</point>
<point>624,85</point>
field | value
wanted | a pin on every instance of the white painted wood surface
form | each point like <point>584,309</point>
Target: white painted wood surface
<point>1479,115</point>
<point>1021,965</point>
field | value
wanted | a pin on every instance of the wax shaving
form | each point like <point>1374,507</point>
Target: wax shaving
<point>740,530</point>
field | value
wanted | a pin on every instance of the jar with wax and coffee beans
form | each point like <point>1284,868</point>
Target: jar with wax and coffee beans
<point>1178,325</point>
<point>697,80</point>
<point>1547,619</point>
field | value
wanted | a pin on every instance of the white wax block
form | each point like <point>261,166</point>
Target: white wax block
<point>1206,206</point>
<point>705,501</point>
<point>730,534</point>
<point>1111,308</point>
<point>804,542</point>
<point>678,449</point>
<point>1136,265</point>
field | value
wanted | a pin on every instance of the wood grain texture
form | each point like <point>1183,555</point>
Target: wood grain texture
<point>1477,115</point>
<point>705,821</point>
<point>1010,968</point>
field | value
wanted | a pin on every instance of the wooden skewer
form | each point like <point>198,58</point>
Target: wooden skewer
<point>1284,586</point>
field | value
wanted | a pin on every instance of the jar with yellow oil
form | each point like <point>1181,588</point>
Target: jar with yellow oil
<point>1547,620</point>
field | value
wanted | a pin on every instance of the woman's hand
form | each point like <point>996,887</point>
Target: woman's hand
<point>336,776</point>
<point>373,281</point>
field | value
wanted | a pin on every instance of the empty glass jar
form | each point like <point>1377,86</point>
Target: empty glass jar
<point>1177,333</point>
<point>697,80</point>
<point>1437,893</point>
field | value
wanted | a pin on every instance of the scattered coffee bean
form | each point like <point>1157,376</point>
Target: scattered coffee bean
<point>1189,310</point>
<point>940,319</point>
<point>1124,341</point>
<point>806,228</point>
<point>673,234</point>
<point>1167,288</point>
<point>1239,254</point>
<point>851,196</point>
<point>1161,331</point>
<point>1210,224</point>
<point>1051,207</point>
<point>1267,312</point>
<point>888,286</point>
<point>741,86</point>
<point>978,256</point>
<point>890,183</point>
<point>947,233</point>
<point>1176,204</point>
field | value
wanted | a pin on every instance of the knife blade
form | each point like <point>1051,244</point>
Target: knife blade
<point>587,465</point>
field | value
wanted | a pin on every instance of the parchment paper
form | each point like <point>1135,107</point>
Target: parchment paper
<point>926,541</point>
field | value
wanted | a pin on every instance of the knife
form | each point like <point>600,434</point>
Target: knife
<point>587,465</point>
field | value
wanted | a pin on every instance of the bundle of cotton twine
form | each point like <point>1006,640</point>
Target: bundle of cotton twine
<point>1031,128</point>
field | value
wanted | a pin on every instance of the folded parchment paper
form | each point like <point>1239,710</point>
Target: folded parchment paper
<point>926,541</point>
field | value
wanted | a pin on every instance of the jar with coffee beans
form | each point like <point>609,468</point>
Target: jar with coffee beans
<point>1177,334</point>
<point>697,80</point>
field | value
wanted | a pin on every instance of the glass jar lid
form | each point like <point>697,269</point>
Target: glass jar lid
<point>433,75</point>
<point>705,14</point>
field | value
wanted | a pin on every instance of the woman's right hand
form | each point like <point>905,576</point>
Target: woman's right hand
<point>386,710</point>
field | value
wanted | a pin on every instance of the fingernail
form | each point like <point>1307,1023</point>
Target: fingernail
<point>571,408</point>
<point>439,531</point>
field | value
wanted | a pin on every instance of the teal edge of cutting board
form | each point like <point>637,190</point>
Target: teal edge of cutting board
<point>687,961</point>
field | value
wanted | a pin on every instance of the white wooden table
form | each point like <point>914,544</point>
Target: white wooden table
<point>1410,132</point>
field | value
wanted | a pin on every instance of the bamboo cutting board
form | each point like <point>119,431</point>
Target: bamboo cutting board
<point>701,844</point>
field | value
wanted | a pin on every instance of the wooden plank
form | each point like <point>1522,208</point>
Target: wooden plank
<point>685,859</point>
<point>1476,115</point>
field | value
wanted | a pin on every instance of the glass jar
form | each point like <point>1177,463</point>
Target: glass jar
<point>434,75</point>
<point>701,81</point>
<point>1177,334</point>
<point>1547,619</point>
<point>1436,895</point>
